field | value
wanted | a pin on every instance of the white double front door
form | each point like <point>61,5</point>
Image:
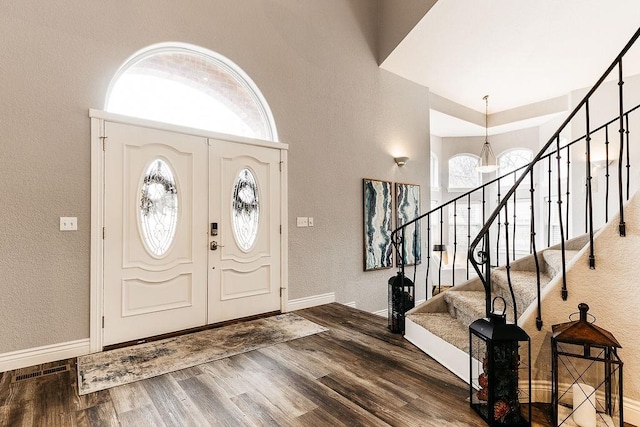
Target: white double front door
<point>192,231</point>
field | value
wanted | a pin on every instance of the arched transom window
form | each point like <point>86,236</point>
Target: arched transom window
<point>194,87</point>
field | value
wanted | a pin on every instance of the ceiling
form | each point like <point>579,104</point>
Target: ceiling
<point>518,52</point>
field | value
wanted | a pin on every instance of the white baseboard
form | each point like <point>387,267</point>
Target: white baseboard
<point>632,412</point>
<point>48,353</point>
<point>541,392</point>
<point>385,311</point>
<point>351,304</point>
<point>312,301</point>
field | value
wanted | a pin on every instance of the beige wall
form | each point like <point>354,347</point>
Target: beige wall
<point>343,117</point>
<point>396,20</point>
<point>611,293</point>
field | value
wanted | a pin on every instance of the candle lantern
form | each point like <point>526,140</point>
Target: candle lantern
<point>401,300</point>
<point>586,374</point>
<point>500,369</point>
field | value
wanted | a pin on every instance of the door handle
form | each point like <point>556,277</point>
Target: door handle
<point>214,245</point>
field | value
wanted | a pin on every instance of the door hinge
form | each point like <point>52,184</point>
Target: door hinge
<point>280,229</point>
<point>280,297</point>
<point>102,322</point>
<point>103,232</point>
<point>104,143</point>
<point>281,166</point>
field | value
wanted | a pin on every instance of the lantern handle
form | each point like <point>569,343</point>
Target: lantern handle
<point>504,306</point>
<point>591,317</point>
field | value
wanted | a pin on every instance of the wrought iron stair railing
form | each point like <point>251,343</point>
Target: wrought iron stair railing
<point>554,160</point>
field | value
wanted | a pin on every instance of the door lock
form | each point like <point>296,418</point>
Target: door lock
<point>214,245</point>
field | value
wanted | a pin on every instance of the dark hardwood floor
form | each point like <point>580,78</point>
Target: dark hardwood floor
<point>355,374</point>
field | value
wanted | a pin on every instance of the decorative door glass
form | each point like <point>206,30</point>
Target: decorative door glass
<point>245,209</point>
<point>158,213</point>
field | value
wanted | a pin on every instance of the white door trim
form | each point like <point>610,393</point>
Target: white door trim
<point>98,118</point>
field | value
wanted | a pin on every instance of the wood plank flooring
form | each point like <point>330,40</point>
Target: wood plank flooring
<point>355,374</point>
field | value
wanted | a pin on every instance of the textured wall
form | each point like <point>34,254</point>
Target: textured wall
<point>611,293</point>
<point>343,117</point>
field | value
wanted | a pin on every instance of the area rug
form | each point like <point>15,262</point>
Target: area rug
<point>100,371</point>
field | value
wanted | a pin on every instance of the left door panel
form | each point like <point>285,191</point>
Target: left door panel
<point>155,244</point>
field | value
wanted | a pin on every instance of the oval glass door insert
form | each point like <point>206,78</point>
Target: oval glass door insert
<point>245,209</point>
<point>158,207</point>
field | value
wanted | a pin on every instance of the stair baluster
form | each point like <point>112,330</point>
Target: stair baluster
<point>499,229</point>
<point>628,151</point>
<point>592,259</point>
<point>535,252</point>
<point>568,187</point>
<point>564,292</point>
<point>549,204</point>
<point>455,242</point>
<point>513,245</point>
<point>508,264</point>
<point>468,228</point>
<point>622,227</point>
<point>445,248</point>
<point>606,174</point>
<point>426,280</point>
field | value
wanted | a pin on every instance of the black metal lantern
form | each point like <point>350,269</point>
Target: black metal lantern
<point>586,374</point>
<point>401,300</point>
<point>500,370</point>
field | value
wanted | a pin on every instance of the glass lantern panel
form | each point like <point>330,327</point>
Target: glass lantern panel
<point>500,381</point>
<point>158,209</point>
<point>245,209</point>
<point>588,387</point>
<point>479,378</point>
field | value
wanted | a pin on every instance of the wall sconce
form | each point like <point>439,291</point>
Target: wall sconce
<point>401,161</point>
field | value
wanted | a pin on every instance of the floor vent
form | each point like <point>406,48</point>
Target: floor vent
<point>40,373</point>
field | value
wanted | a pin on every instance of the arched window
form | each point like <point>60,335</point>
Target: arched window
<point>189,86</point>
<point>511,160</point>
<point>463,173</point>
<point>435,172</point>
<point>508,162</point>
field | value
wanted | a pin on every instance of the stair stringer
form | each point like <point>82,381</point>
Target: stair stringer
<point>446,354</point>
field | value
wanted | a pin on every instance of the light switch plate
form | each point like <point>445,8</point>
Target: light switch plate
<point>310,221</point>
<point>68,223</point>
<point>302,221</point>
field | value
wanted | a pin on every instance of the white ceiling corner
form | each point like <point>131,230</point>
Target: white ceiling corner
<point>519,52</point>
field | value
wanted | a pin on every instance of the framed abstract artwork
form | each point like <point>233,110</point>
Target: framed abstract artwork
<point>407,209</point>
<point>378,218</point>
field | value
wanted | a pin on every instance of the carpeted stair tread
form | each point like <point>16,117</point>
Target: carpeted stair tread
<point>469,306</point>
<point>465,306</point>
<point>553,259</point>
<point>445,327</point>
<point>524,285</point>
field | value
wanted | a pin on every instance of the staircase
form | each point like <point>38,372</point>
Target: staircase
<point>440,327</point>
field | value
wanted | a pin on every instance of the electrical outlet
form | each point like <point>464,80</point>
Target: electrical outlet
<point>68,223</point>
<point>310,221</point>
<point>302,221</point>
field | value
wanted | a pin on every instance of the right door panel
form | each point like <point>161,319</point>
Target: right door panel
<point>244,270</point>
